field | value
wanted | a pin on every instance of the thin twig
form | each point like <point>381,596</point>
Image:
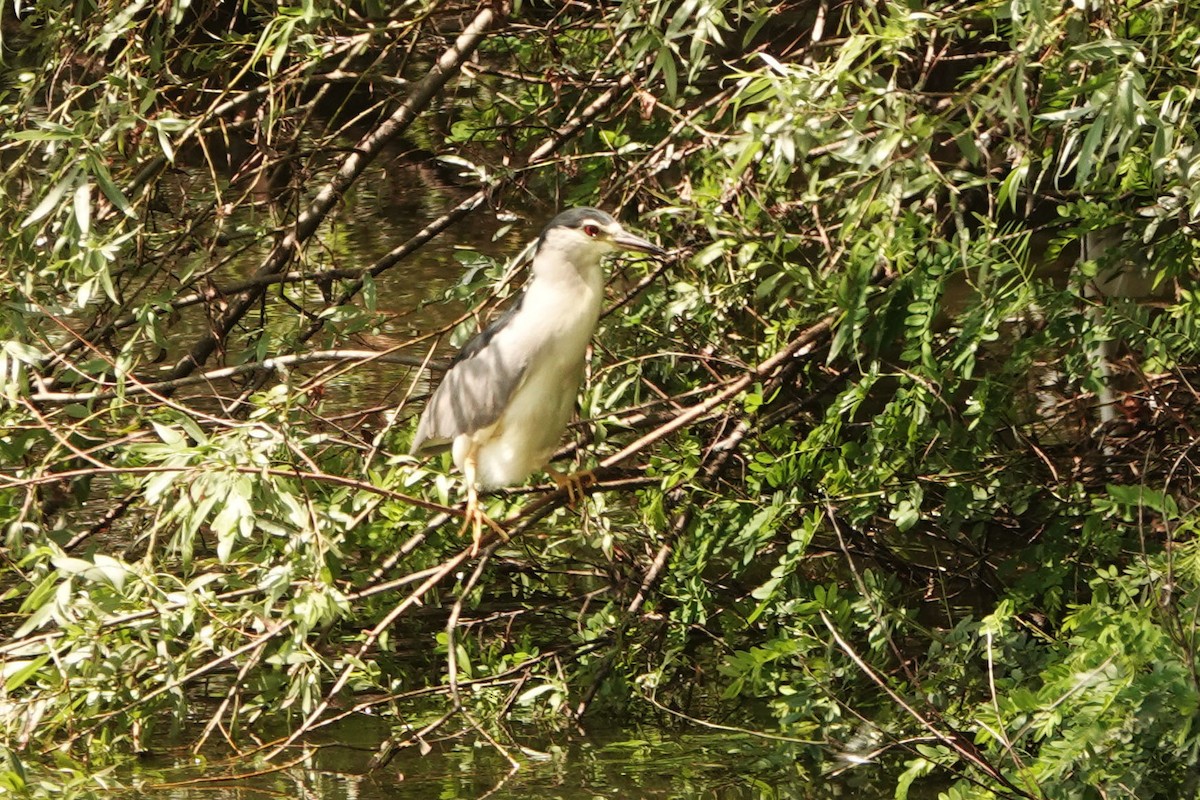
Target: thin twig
<point>275,364</point>
<point>369,639</point>
<point>965,748</point>
<point>423,92</point>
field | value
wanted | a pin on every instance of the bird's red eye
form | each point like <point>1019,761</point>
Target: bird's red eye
<point>591,230</point>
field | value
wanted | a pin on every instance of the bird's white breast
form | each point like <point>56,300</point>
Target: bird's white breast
<point>558,317</point>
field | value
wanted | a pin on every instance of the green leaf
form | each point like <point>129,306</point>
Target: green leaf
<point>1088,151</point>
<point>1139,496</point>
<point>664,63</point>
<point>168,434</point>
<point>83,207</point>
<point>52,199</point>
<point>17,672</point>
<point>104,180</point>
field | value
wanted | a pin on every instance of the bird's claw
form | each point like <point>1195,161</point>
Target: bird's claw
<point>475,518</point>
<point>574,483</point>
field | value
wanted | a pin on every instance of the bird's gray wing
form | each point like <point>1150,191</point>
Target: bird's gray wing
<point>476,388</point>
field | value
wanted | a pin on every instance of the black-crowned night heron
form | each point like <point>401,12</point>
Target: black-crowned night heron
<point>504,403</point>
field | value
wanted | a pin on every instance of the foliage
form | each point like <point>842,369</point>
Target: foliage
<point>930,330</point>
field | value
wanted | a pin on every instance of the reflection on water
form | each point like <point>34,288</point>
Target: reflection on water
<point>390,204</point>
<point>618,764</point>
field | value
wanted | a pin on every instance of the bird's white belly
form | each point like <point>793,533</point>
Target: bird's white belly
<point>526,436</point>
<point>532,426</point>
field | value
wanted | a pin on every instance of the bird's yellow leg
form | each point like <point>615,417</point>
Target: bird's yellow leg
<point>474,516</point>
<point>574,483</point>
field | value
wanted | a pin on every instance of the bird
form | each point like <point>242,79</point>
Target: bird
<point>505,401</point>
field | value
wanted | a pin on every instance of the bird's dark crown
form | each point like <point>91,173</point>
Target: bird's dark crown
<point>578,217</point>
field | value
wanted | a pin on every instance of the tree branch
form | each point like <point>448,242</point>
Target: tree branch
<point>276,364</point>
<point>445,68</point>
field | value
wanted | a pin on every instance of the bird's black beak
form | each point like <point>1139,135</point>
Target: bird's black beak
<point>627,241</point>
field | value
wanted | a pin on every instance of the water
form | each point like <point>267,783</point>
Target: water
<point>394,199</point>
<point>634,763</point>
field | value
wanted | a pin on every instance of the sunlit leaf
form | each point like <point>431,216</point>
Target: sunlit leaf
<point>51,200</point>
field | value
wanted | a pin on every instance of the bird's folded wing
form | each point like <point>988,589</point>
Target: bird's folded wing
<point>475,390</point>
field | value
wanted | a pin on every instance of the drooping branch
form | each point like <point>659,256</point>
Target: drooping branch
<point>254,286</point>
<point>539,156</point>
<point>423,92</point>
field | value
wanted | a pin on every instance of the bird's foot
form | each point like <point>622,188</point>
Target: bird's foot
<point>475,518</point>
<point>575,483</point>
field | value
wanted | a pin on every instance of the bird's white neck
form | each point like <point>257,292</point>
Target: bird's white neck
<point>568,277</point>
<point>562,258</point>
<point>566,292</point>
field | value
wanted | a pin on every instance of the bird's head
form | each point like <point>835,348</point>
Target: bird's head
<point>582,236</point>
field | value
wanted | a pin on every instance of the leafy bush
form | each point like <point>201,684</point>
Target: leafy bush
<point>894,455</point>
